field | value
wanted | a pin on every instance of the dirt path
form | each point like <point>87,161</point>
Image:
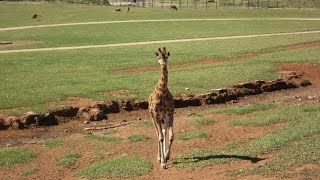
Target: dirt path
<point>157,20</point>
<point>157,42</point>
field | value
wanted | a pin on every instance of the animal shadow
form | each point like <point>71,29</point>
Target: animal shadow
<point>217,157</point>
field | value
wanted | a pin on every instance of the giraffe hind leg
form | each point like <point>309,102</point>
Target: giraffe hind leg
<point>159,145</point>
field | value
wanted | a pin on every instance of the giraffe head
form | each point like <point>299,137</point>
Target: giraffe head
<point>163,56</point>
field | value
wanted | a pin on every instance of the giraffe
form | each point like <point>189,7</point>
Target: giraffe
<point>161,109</point>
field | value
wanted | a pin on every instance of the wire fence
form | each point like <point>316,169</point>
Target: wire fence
<point>200,4</point>
<point>219,4</point>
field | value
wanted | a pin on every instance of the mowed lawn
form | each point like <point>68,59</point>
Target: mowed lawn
<point>275,138</point>
<point>30,81</point>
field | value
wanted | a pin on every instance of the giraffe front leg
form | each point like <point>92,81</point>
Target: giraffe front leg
<point>164,150</point>
<point>171,138</point>
<point>160,146</point>
<point>159,152</point>
<point>156,126</point>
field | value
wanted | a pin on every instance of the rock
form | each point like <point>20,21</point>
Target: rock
<point>69,112</point>
<point>9,145</point>
<point>112,107</point>
<point>14,122</point>
<point>187,89</point>
<point>86,122</point>
<point>137,104</point>
<point>47,120</point>
<point>143,104</point>
<point>3,125</point>
<point>29,118</point>
<point>91,114</point>
<point>305,83</point>
<point>100,105</point>
<point>126,105</point>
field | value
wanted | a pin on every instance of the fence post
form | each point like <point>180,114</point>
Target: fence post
<point>206,4</point>
<point>216,4</point>
<point>258,4</point>
<point>248,4</point>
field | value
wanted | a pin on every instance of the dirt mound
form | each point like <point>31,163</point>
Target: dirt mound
<point>99,110</point>
<point>309,71</point>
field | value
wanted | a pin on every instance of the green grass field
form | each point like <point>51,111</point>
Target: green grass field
<point>294,145</point>
<point>9,157</point>
<point>30,81</point>
<point>20,14</point>
<point>33,80</point>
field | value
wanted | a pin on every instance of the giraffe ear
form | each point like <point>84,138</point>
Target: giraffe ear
<point>168,54</point>
<point>157,54</point>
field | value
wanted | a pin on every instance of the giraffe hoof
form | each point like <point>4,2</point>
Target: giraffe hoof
<point>163,166</point>
<point>167,158</point>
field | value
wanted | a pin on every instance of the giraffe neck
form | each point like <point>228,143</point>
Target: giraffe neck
<point>163,82</point>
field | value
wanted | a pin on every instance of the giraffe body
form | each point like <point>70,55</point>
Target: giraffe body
<point>161,109</point>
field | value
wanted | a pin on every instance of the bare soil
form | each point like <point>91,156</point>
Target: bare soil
<point>72,134</point>
<point>219,60</point>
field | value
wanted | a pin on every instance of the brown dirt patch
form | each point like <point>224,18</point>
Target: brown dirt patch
<point>303,46</point>
<point>117,93</point>
<point>74,101</point>
<point>310,71</point>
<point>218,60</point>
<point>18,43</point>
